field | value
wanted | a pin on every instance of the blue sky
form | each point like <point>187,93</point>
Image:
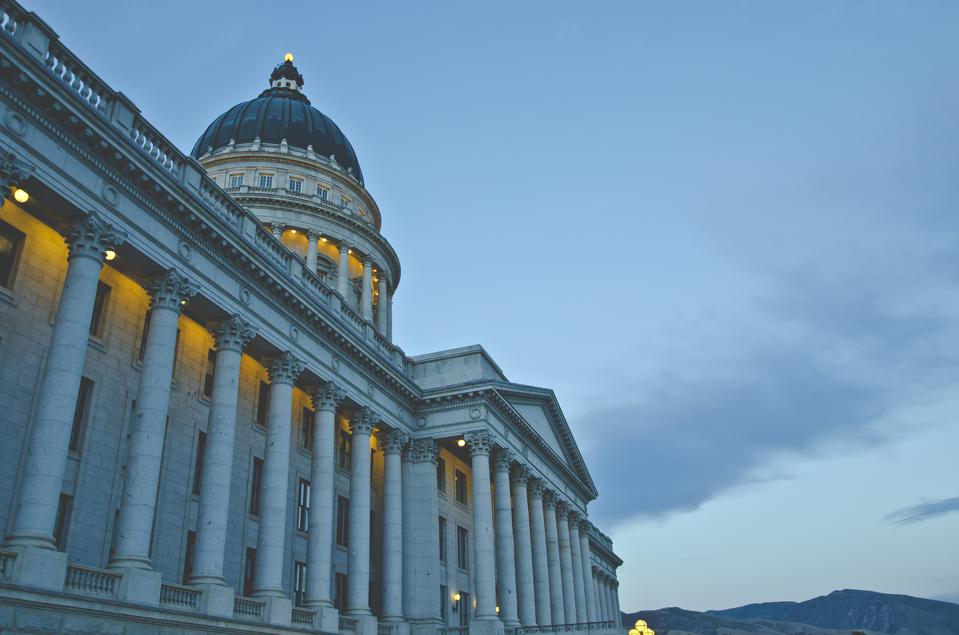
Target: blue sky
<point>724,233</point>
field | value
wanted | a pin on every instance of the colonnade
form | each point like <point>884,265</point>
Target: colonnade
<point>533,563</point>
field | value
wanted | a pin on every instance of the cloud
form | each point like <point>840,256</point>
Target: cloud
<point>923,511</point>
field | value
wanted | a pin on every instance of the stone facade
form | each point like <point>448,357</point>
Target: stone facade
<point>205,429</point>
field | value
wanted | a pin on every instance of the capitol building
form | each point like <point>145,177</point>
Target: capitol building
<point>206,424</point>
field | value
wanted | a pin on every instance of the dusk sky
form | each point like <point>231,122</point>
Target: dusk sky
<point>725,233</point>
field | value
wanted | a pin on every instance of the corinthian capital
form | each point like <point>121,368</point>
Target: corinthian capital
<point>363,421</point>
<point>284,369</point>
<point>233,334</point>
<point>479,441</point>
<point>423,450</point>
<point>13,172</point>
<point>393,441</point>
<point>93,236</point>
<point>326,396</point>
<point>536,489</point>
<point>520,474</point>
<point>502,460</point>
<point>170,290</point>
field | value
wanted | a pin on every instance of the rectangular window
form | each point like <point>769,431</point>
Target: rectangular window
<point>306,433</point>
<point>236,180</point>
<point>462,548</point>
<point>80,414</point>
<point>249,570</point>
<point>339,591</point>
<point>464,608</point>
<point>343,449</point>
<point>323,193</point>
<point>62,526</point>
<point>444,601</point>
<point>262,404</point>
<point>296,185</point>
<point>442,539</point>
<point>198,467</point>
<point>346,202</point>
<point>11,241</point>
<point>255,486</point>
<point>303,505</point>
<point>342,521</point>
<point>299,583</point>
<point>208,377</point>
<point>99,309</point>
<point>188,557</point>
<point>266,180</point>
<point>440,475</point>
<point>459,482</point>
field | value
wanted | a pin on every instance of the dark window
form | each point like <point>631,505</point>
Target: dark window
<point>299,582</point>
<point>459,481</point>
<point>296,185</point>
<point>80,414</point>
<point>444,600</point>
<point>62,526</point>
<point>255,486</point>
<point>249,570</point>
<point>303,505</point>
<point>188,557</point>
<point>442,539</point>
<point>198,468</point>
<point>462,548</point>
<point>342,521</point>
<point>306,437</point>
<point>339,592</point>
<point>99,309</point>
<point>11,241</point>
<point>266,180</point>
<point>464,608</point>
<point>343,448</point>
<point>262,404</point>
<point>440,475</point>
<point>208,377</point>
<point>143,336</point>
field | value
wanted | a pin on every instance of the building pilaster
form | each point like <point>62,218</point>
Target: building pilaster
<point>424,514</point>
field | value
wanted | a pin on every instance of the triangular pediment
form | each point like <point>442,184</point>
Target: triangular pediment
<point>536,415</point>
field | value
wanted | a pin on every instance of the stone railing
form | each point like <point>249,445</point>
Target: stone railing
<point>303,617</point>
<point>564,628</point>
<point>90,580</point>
<point>6,563</point>
<point>348,624</point>
<point>248,608</point>
<point>179,596</point>
<point>385,628</point>
<point>455,630</point>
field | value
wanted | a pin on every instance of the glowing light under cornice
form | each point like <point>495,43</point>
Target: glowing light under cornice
<point>20,196</point>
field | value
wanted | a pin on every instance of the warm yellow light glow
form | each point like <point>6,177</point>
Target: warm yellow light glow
<point>639,625</point>
<point>109,254</point>
<point>633,631</point>
<point>461,442</point>
<point>456,597</point>
<point>20,196</point>
<point>322,239</point>
<point>288,57</point>
<point>497,609</point>
<point>349,251</point>
<point>182,302</point>
<point>292,231</point>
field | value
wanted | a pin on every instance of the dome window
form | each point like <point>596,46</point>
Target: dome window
<point>322,192</point>
<point>346,202</point>
<point>266,181</point>
<point>296,185</point>
<point>236,180</point>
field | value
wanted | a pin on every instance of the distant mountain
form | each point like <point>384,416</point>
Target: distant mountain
<point>840,612</point>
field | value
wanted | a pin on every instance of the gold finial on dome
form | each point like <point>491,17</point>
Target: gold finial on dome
<point>288,57</point>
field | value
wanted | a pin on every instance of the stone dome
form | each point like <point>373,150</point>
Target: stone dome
<point>281,112</point>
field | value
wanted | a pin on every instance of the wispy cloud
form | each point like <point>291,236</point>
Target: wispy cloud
<point>923,511</point>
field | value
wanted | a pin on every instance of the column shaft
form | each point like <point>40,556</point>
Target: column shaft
<point>382,302</point>
<point>343,272</point>
<point>578,584</point>
<point>46,458</point>
<point>319,550</point>
<point>138,503</point>
<point>525,593</point>
<point>406,486</point>
<point>311,238</point>
<point>566,565</point>
<point>540,551</point>
<point>589,585</point>
<point>366,300</point>
<point>557,610</point>
<point>393,526</point>
<point>358,582</point>
<point>483,561</point>
<point>505,556</point>
<point>274,484</point>
<point>424,515</point>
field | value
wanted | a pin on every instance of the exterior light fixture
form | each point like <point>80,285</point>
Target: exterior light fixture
<point>456,597</point>
<point>20,196</point>
<point>288,57</point>
<point>322,239</point>
<point>497,609</point>
<point>109,254</point>
<point>349,251</point>
<point>292,231</point>
<point>461,442</point>
<point>182,302</point>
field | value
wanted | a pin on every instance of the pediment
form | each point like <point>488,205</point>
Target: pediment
<point>536,415</point>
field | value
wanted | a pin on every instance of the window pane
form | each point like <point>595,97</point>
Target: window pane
<point>99,309</point>
<point>262,404</point>
<point>80,414</point>
<point>208,377</point>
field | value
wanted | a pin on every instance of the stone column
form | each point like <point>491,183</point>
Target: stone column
<point>46,457</point>
<point>389,318</point>
<point>213,514</point>
<point>600,601</point>
<point>557,610</point>
<point>358,584</point>
<point>566,563</point>
<point>311,238</point>
<point>424,543</point>
<point>616,615</point>
<point>393,443</point>
<point>588,583</point>
<point>381,305</point>
<point>525,593</point>
<point>607,598</point>
<point>406,485</point>
<point>541,586</point>
<point>277,230</point>
<point>483,561</point>
<point>505,556</point>
<point>319,552</point>
<point>366,299</point>
<point>138,503</point>
<point>579,588</point>
<point>343,271</point>
<point>275,479</point>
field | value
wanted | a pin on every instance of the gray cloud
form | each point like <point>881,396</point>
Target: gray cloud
<point>923,511</point>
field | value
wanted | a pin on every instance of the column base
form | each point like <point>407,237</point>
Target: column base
<point>327,619</point>
<point>217,599</point>
<point>279,611</point>
<point>140,586</point>
<point>399,626</point>
<point>365,623</point>
<point>486,626</point>
<point>39,567</point>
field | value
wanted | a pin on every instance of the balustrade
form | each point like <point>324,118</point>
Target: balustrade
<point>179,596</point>
<point>6,563</point>
<point>348,624</point>
<point>90,580</point>
<point>303,617</point>
<point>248,608</point>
